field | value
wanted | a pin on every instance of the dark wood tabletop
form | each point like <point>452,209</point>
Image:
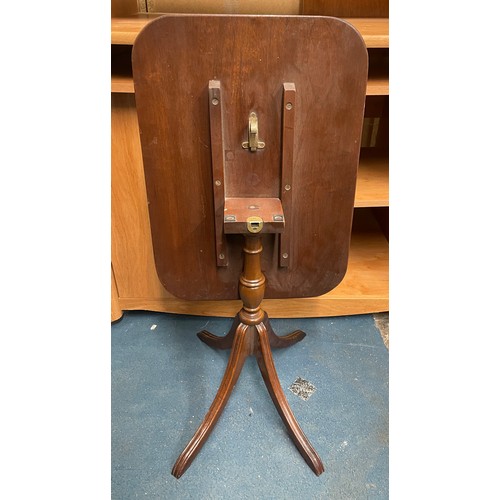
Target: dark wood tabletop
<point>252,57</point>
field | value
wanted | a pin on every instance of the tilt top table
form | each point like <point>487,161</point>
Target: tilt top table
<point>250,132</point>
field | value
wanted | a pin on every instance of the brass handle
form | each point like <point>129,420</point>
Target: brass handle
<point>253,142</point>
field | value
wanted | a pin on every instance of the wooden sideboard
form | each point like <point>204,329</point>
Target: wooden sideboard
<point>134,282</point>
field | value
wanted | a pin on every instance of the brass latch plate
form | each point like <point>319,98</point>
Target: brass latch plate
<point>253,215</point>
<point>254,224</point>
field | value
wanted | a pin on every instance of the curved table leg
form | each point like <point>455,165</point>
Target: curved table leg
<point>270,376</point>
<point>280,341</point>
<point>226,341</point>
<point>217,342</point>
<point>239,353</point>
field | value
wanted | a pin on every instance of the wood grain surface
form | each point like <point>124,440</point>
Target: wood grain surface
<point>372,185</point>
<point>173,60</point>
<point>364,289</point>
<point>375,31</point>
<point>116,311</point>
<point>346,8</point>
<point>226,6</point>
<point>131,249</point>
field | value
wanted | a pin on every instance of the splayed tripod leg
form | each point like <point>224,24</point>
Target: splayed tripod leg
<point>250,333</point>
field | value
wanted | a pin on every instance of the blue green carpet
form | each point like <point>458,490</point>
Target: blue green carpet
<point>164,380</point>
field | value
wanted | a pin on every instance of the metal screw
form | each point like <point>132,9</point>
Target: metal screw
<point>218,183</point>
<point>215,101</point>
<point>289,106</point>
<point>221,256</point>
<point>285,256</point>
<point>288,187</point>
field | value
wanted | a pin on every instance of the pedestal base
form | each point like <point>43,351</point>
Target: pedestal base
<point>245,340</point>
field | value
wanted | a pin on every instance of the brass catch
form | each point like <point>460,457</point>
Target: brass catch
<point>253,142</point>
<point>254,224</point>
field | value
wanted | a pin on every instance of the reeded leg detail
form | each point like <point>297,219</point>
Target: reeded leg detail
<point>250,333</point>
<point>270,376</point>
<point>237,358</point>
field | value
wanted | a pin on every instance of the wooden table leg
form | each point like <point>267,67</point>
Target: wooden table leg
<point>237,358</point>
<point>268,371</point>
<point>280,341</point>
<point>226,341</point>
<point>217,342</point>
<point>250,333</point>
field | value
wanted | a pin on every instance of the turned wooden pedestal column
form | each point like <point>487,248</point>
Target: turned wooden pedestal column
<point>250,333</point>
